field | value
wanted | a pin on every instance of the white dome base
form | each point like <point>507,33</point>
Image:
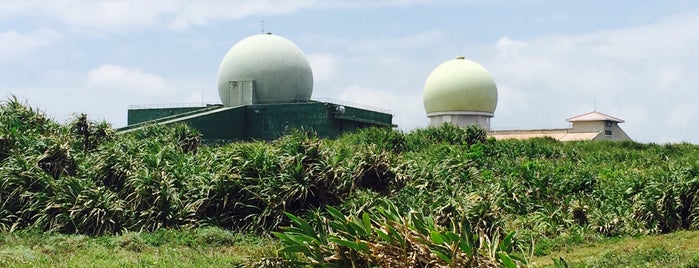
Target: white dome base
<point>461,120</point>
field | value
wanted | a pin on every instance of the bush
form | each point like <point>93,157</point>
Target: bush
<point>385,237</point>
<point>82,177</point>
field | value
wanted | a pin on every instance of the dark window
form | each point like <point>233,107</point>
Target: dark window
<point>608,132</point>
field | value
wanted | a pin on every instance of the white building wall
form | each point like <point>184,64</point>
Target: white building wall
<point>461,120</point>
<point>613,133</point>
<point>588,126</point>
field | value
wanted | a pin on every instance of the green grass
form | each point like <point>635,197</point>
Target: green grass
<point>678,249</point>
<point>204,247</point>
<point>213,247</point>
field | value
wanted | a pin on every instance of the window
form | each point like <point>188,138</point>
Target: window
<point>608,132</point>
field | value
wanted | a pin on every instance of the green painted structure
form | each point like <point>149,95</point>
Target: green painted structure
<point>265,84</point>
<point>262,121</point>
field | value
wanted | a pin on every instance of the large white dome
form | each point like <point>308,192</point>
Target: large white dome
<point>277,68</point>
<point>460,85</point>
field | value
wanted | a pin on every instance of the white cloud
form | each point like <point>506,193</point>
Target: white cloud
<point>508,47</point>
<point>648,67</point>
<point>15,44</point>
<point>111,15</point>
<point>674,37</point>
<point>324,66</point>
<point>682,116</point>
<point>390,62</point>
<point>511,102</point>
<point>126,15</point>
<point>388,71</point>
<point>202,12</point>
<point>116,78</point>
<point>406,107</point>
<point>106,92</point>
<point>411,42</point>
<point>366,4</point>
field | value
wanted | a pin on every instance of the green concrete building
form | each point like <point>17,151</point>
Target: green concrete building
<point>265,83</point>
<point>217,123</point>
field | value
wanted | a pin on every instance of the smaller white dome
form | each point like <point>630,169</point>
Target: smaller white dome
<point>279,69</point>
<point>460,85</point>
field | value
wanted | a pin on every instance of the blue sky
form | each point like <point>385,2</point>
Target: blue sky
<point>551,60</point>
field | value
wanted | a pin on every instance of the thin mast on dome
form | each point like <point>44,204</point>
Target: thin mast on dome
<point>262,26</point>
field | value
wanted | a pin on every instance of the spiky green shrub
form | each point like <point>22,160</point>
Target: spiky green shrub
<point>385,237</point>
<point>445,134</point>
<point>78,206</point>
<point>671,202</point>
<point>82,177</point>
<point>145,169</point>
<point>23,128</point>
<point>89,134</point>
<point>386,138</point>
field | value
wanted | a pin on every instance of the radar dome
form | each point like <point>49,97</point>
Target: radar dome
<point>273,68</point>
<point>460,85</point>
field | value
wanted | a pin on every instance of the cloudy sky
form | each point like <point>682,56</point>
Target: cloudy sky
<point>551,59</point>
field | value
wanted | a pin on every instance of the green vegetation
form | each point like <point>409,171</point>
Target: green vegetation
<point>205,247</point>
<point>436,196</point>
<point>386,238</point>
<point>193,248</point>
<point>679,249</point>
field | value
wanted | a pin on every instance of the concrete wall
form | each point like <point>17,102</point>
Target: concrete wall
<point>135,116</point>
<point>461,120</point>
<point>223,124</point>
<point>613,133</point>
<point>588,126</point>
<point>270,121</point>
<point>609,130</point>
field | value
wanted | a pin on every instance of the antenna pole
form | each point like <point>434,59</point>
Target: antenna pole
<point>262,26</point>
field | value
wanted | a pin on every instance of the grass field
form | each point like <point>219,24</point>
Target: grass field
<point>679,249</point>
<point>213,247</point>
<point>205,247</point>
